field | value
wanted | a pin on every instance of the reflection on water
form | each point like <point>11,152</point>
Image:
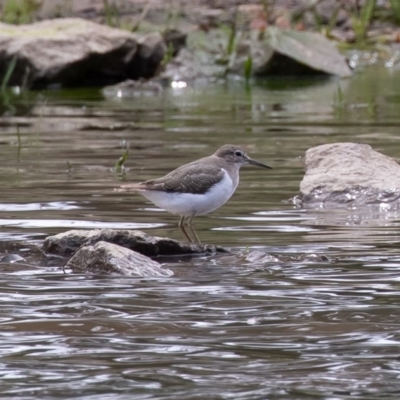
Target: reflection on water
<point>269,320</point>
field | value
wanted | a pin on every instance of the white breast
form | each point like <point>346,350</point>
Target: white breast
<point>187,204</point>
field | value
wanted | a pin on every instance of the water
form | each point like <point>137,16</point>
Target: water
<point>317,319</point>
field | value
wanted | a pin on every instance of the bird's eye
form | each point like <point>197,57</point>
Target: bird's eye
<point>238,153</point>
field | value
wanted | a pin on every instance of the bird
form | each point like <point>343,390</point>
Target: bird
<point>196,188</point>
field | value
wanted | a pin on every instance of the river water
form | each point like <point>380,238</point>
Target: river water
<point>307,305</point>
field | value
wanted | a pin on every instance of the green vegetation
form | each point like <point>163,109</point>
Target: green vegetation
<point>248,68</point>
<point>168,56</point>
<point>362,17</point>
<point>19,11</point>
<point>111,13</point>
<point>119,165</point>
<point>339,105</point>
<point>395,5</point>
<point>7,75</point>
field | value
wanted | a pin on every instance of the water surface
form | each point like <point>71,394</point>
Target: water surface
<point>318,319</point>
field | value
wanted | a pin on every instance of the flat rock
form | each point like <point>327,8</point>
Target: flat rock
<point>66,243</point>
<point>108,258</point>
<point>260,257</point>
<point>74,51</point>
<point>349,174</point>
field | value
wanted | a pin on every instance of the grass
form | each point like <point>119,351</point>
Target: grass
<point>168,56</point>
<point>7,75</point>
<point>362,17</point>
<point>111,14</point>
<point>395,5</point>
<point>19,11</point>
<point>119,165</point>
<point>248,69</point>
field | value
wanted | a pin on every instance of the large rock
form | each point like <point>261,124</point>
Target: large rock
<point>277,52</point>
<point>109,258</point>
<point>349,174</point>
<point>75,51</point>
<point>66,243</point>
<point>288,52</point>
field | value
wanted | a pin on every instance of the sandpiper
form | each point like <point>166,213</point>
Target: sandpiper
<point>196,188</point>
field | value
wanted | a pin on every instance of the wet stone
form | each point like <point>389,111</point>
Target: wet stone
<point>66,243</point>
<point>349,174</point>
<point>130,88</point>
<point>260,257</point>
<point>110,258</point>
<point>11,258</point>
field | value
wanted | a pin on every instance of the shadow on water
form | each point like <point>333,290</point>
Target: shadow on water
<point>268,320</point>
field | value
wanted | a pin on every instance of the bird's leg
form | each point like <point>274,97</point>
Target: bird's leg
<point>182,228</point>
<point>190,225</point>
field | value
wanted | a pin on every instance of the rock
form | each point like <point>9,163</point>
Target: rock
<point>149,56</point>
<point>74,51</point>
<point>349,174</point>
<point>175,40</point>
<point>106,257</point>
<point>130,88</point>
<point>191,65</point>
<point>65,244</point>
<point>260,257</point>
<point>11,258</point>
<point>288,52</point>
<point>275,52</point>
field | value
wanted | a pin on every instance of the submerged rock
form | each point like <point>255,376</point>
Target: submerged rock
<point>66,243</point>
<point>260,257</point>
<point>106,257</point>
<point>349,174</point>
<point>73,51</point>
<point>11,258</point>
<point>130,88</point>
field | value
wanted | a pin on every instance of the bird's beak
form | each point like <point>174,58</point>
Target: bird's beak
<point>257,163</point>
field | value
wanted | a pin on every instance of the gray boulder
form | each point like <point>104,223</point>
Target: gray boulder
<point>66,243</point>
<point>287,52</point>
<point>108,258</point>
<point>75,51</point>
<point>277,52</point>
<point>349,174</point>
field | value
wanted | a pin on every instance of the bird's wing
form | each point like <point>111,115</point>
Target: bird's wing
<point>190,178</point>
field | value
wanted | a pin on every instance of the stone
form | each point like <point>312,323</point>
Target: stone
<point>175,40</point>
<point>74,51</point>
<point>288,52</point>
<point>191,65</point>
<point>66,243</point>
<point>110,258</point>
<point>130,89</point>
<point>260,257</point>
<point>274,52</point>
<point>349,174</point>
<point>149,56</point>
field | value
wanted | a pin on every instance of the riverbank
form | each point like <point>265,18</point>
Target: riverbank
<point>345,21</point>
<point>109,42</point>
